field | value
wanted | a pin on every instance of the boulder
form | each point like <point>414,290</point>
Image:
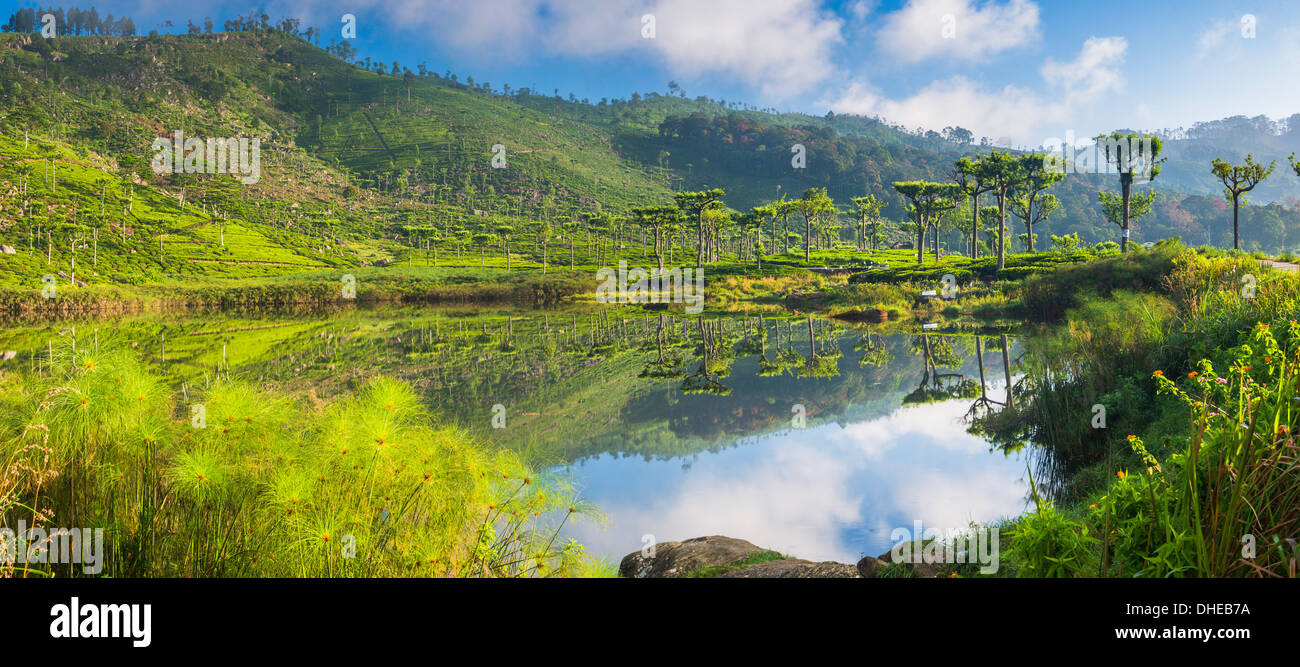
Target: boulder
<point>678,559</point>
<point>919,567</point>
<point>870,566</point>
<point>8,250</point>
<point>793,568</point>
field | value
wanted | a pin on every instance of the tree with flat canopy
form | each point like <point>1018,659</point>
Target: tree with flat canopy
<point>504,232</point>
<point>1002,172</point>
<point>813,205</point>
<point>968,174</point>
<point>763,214</point>
<point>1137,159</point>
<point>1023,207</point>
<point>694,206</point>
<point>483,240</point>
<point>784,209</point>
<point>927,200</point>
<point>1035,177</point>
<point>1237,181</point>
<point>866,211</point>
<point>656,220</point>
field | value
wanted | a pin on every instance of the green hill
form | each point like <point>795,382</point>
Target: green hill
<point>360,167</point>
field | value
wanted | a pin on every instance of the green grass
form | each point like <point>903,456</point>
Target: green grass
<point>764,556</point>
<point>266,483</point>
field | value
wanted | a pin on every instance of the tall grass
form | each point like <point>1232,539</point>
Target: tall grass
<point>1217,491</point>
<point>267,485</point>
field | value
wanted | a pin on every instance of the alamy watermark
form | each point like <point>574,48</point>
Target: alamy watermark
<point>651,285</point>
<point>1105,155</point>
<point>975,544</point>
<point>36,545</point>
<point>238,156</point>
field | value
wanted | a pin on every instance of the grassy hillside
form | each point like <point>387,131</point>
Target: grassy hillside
<point>366,168</point>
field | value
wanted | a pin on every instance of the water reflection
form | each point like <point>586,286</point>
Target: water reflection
<point>829,492</point>
<point>676,427</point>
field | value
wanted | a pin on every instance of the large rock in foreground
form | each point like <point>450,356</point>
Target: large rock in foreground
<point>679,559</point>
<point>729,557</point>
<point>793,568</point>
<point>870,567</point>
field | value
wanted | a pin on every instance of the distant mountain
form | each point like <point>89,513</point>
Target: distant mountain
<point>1191,151</point>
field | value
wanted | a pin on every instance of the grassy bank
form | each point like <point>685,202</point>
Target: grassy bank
<point>1168,408</point>
<point>320,289</point>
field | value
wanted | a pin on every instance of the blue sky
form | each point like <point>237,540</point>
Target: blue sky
<point>1021,69</point>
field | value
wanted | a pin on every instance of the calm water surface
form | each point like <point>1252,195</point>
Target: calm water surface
<point>810,437</point>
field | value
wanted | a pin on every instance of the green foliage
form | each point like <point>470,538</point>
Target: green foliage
<point>1046,543</point>
<point>263,484</point>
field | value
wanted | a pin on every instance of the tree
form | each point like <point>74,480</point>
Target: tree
<point>1237,181</point>
<point>784,209</point>
<point>814,204</point>
<point>504,231</point>
<point>483,241</point>
<point>1035,177</point>
<point>751,224</point>
<point>867,210</point>
<point>969,175</point>
<point>988,216</point>
<point>927,200</point>
<point>1121,212</point>
<point>1118,151</point>
<point>1023,207</point>
<point>544,232</point>
<point>656,220</point>
<point>1002,172</point>
<point>693,206</point>
<point>762,214</point>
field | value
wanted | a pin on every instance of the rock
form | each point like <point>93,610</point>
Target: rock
<point>8,250</point>
<point>870,566</point>
<point>678,559</point>
<point>919,566</point>
<point>793,568</point>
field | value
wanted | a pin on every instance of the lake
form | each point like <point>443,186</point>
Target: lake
<point>811,437</point>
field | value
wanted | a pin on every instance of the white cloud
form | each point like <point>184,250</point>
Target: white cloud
<point>822,494</point>
<point>1213,37</point>
<point>1014,112</point>
<point>1007,112</point>
<point>962,29</point>
<point>781,47</point>
<point>1095,71</point>
<point>861,9</point>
